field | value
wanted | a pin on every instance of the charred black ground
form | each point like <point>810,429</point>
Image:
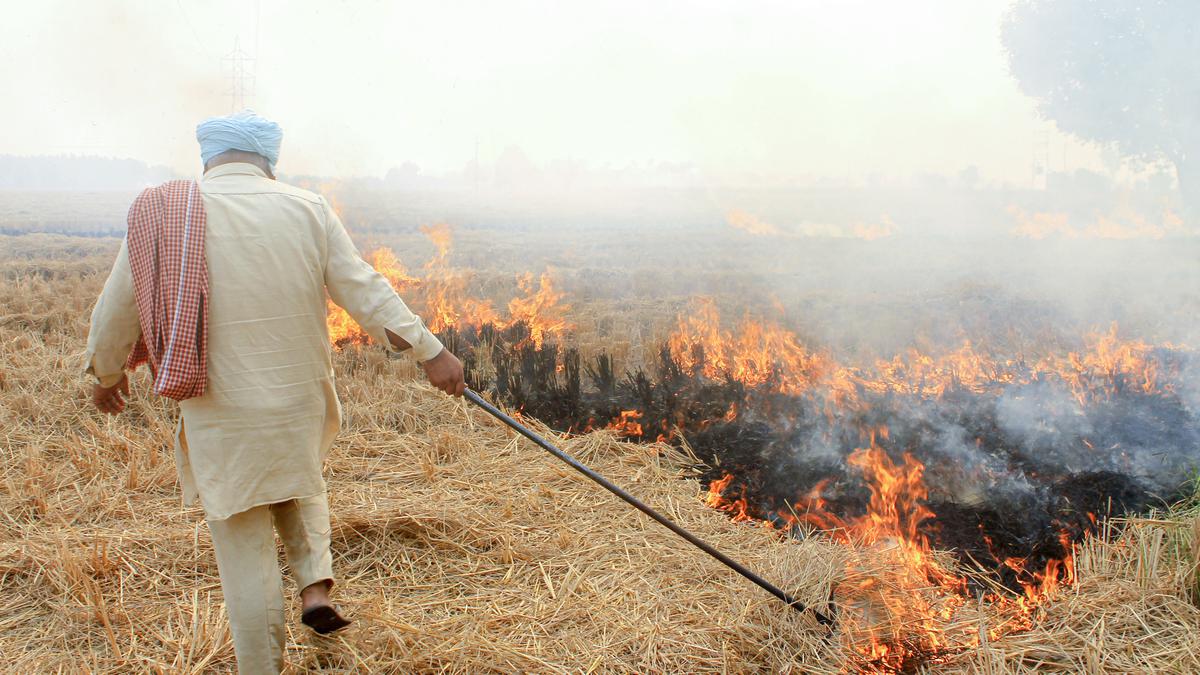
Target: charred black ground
<point>1010,471</point>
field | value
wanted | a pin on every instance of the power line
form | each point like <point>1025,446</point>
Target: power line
<point>188,21</point>
<point>241,76</point>
<point>257,16</point>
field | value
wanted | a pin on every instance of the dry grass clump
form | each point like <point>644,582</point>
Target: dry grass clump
<point>1193,577</point>
<point>459,546</point>
<point>484,554</point>
<point>1128,613</point>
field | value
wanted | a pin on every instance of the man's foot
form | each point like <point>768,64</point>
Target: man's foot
<point>319,613</point>
<point>315,595</point>
<point>324,619</point>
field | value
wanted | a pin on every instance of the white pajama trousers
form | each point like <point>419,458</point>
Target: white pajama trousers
<point>250,575</point>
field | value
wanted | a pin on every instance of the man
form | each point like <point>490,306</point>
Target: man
<point>251,446</point>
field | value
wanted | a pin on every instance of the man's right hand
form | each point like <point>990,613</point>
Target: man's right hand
<point>445,372</point>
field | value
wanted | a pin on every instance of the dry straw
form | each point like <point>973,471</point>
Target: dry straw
<point>459,546</point>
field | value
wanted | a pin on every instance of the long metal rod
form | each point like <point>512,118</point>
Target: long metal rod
<point>699,543</point>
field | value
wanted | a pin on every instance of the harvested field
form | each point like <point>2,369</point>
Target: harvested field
<point>461,548</point>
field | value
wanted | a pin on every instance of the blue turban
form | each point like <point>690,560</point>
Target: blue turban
<point>239,131</point>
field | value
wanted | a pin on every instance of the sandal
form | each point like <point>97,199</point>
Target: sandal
<point>324,619</point>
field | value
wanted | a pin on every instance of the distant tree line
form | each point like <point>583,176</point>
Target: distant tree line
<point>63,172</point>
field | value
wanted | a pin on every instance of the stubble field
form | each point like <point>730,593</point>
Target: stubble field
<point>461,548</point>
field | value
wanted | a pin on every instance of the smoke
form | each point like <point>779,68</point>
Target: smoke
<point>119,71</point>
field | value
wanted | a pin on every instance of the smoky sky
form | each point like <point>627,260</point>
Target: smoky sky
<point>741,92</point>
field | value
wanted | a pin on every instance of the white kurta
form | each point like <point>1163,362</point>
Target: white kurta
<point>262,429</point>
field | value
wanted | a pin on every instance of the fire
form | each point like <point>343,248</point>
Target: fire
<point>904,608</point>
<point>755,353</point>
<point>738,509</point>
<point>751,224</point>
<point>449,305</point>
<point>442,237</point>
<point>1124,224</point>
<point>902,601</point>
<point>342,328</point>
<point>444,297</point>
<point>746,222</point>
<point>1109,365</point>
<point>898,492</point>
<point>1038,584</point>
<point>1039,225</point>
<point>917,605</point>
<point>628,425</point>
<point>872,231</point>
<point>448,302</point>
<point>758,353</point>
<point>539,309</point>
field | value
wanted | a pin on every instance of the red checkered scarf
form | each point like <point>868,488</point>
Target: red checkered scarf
<point>170,283</point>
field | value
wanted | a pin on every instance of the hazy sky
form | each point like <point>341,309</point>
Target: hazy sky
<point>785,90</point>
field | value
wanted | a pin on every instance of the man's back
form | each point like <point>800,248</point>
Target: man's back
<point>271,411</point>
<point>267,251</point>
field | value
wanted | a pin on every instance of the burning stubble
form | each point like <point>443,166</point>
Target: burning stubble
<point>975,470</point>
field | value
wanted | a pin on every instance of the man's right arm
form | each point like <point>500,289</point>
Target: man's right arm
<point>367,296</point>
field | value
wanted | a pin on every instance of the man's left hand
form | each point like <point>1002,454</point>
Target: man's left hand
<point>111,400</point>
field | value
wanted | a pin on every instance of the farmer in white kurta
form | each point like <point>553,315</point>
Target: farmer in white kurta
<point>251,447</point>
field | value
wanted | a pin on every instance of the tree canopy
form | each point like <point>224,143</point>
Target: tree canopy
<point>1115,72</point>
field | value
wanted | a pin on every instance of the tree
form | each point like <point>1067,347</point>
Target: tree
<point>1116,72</point>
<point>969,177</point>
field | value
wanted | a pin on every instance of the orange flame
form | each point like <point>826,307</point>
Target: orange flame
<point>448,302</point>
<point>540,310</point>
<point>755,353</point>
<point>442,237</point>
<point>1109,366</point>
<point>759,353</point>
<point>738,509</point>
<point>342,328</point>
<point>746,222</point>
<point>909,607</point>
<point>1125,223</point>
<point>752,224</point>
<point>909,610</point>
<point>628,425</point>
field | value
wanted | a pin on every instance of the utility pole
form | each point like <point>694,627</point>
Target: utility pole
<point>240,66</point>
<point>1041,160</point>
